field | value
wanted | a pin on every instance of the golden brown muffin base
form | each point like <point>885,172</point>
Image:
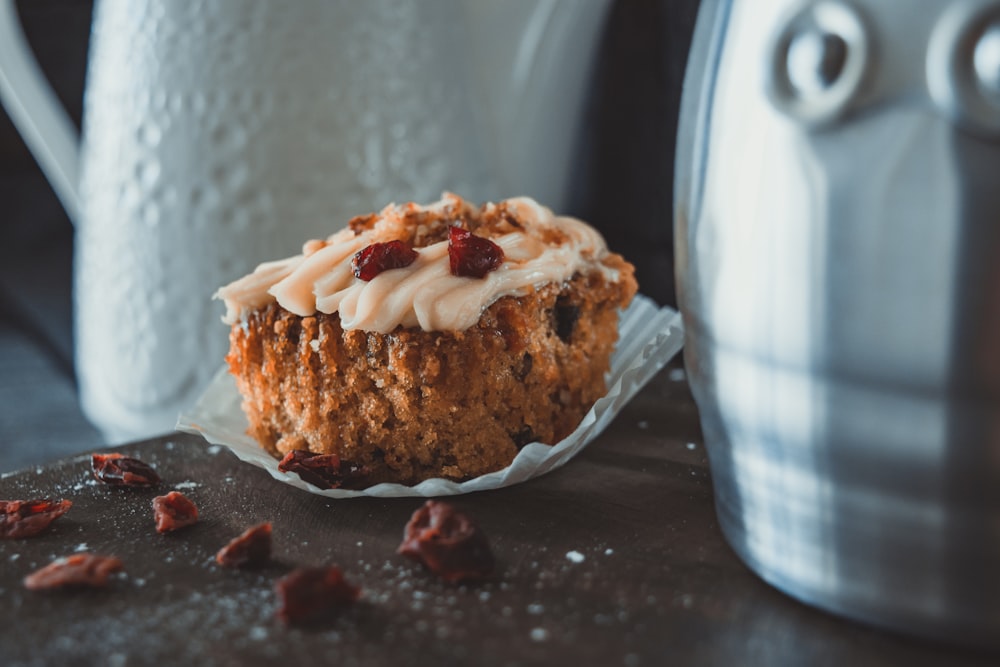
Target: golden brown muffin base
<point>412,404</point>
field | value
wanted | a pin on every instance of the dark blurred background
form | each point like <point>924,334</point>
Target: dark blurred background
<point>623,186</point>
<point>39,416</point>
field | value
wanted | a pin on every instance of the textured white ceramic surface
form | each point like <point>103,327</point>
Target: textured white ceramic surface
<point>218,134</point>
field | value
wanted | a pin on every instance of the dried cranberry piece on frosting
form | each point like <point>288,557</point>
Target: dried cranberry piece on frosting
<point>378,257</point>
<point>447,542</point>
<point>27,518</point>
<point>325,471</point>
<point>121,470</point>
<point>472,256</point>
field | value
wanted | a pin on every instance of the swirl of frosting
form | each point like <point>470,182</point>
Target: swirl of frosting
<point>543,248</point>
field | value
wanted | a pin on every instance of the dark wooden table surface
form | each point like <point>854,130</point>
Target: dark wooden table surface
<point>615,559</point>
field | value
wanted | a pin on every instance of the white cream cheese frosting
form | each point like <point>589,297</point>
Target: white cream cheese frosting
<point>542,248</point>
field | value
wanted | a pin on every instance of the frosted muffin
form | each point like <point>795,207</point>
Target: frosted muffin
<point>427,341</point>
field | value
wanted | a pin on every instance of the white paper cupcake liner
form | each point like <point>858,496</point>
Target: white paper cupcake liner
<point>649,337</point>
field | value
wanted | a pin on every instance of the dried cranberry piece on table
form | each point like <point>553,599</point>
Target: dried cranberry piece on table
<point>121,470</point>
<point>309,592</point>
<point>27,518</point>
<point>326,471</point>
<point>84,569</point>
<point>449,543</point>
<point>378,257</point>
<point>174,511</point>
<point>250,549</point>
<point>472,256</point>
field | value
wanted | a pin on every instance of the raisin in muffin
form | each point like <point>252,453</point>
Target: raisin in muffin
<point>428,341</point>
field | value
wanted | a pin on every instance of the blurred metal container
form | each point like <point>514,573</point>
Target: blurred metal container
<point>838,262</point>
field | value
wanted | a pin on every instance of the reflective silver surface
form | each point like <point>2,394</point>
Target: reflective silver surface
<point>838,236</point>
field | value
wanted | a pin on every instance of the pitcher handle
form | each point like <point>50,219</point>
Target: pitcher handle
<point>36,112</point>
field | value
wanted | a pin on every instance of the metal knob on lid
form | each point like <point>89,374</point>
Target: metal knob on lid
<point>963,66</point>
<point>818,62</point>
<point>815,62</point>
<point>986,63</point>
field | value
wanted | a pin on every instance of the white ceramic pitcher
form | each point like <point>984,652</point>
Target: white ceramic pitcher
<point>220,133</point>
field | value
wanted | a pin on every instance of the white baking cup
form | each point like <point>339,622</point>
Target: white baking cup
<point>649,337</point>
